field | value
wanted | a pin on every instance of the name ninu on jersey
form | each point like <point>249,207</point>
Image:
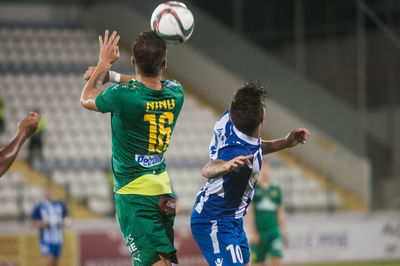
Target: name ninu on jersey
<point>160,105</point>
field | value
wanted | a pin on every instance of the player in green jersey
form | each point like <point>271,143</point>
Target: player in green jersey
<point>144,112</point>
<point>267,221</point>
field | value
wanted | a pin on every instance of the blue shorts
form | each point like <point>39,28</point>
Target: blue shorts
<point>222,242</point>
<point>50,249</point>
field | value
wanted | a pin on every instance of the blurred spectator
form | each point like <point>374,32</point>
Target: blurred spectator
<point>36,143</point>
<point>50,216</point>
<point>26,128</point>
<point>267,221</point>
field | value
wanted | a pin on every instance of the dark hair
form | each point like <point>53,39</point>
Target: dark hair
<point>149,51</point>
<point>247,107</point>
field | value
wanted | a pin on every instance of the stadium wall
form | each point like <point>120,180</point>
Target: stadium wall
<point>313,238</point>
<point>344,237</point>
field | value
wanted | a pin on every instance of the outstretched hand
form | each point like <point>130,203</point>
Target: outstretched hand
<point>29,124</point>
<point>296,136</point>
<point>109,51</point>
<point>216,168</point>
<point>238,162</point>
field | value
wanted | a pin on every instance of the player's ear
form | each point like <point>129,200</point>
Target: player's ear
<point>164,63</point>
<point>263,119</point>
<point>133,60</point>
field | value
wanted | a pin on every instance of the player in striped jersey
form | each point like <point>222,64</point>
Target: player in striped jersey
<point>50,216</point>
<point>235,162</point>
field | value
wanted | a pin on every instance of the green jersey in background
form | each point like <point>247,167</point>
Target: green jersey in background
<point>266,202</point>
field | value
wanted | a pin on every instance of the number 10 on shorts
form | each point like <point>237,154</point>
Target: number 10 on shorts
<point>236,253</point>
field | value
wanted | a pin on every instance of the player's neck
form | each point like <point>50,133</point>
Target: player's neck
<point>257,132</point>
<point>153,83</point>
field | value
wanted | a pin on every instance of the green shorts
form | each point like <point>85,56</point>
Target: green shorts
<point>270,245</point>
<point>147,230</point>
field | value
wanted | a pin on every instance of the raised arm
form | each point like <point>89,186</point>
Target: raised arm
<point>217,168</point>
<point>296,136</point>
<point>111,76</point>
<point>26,128</point>
<point>109,53</point>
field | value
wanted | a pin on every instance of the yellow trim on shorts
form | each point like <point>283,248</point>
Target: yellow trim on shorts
<point>149,185</point>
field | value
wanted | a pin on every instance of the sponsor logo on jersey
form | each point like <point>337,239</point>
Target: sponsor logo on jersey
<point>149,160</point>
<point>266,204</point>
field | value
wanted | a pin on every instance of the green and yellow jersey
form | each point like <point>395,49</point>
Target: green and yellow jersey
<point>142,121</point>
<point>266,202</point>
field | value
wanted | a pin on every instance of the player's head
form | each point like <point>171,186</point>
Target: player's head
<point>149,54</point>
<point>247,107</point>
<point>264,173</point>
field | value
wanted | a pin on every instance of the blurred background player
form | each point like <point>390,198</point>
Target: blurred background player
<point>266,220</point>
<point>35,148</point>
<point>50,216</point>
<point>144,113</point>
<point>26,128</point>
<point>235,161</point>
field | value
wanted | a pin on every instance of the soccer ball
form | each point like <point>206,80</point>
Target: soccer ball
<point>173,22</point>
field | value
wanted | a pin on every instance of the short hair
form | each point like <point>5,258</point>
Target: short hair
<point>149,51</point>
<point>247,107</point>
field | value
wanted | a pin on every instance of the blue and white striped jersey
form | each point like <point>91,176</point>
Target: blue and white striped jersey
<point>52,212</point>
<point>230,195</point>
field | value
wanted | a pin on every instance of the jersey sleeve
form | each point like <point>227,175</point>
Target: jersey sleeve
<point>213,147</point>
<point>36,213</point>
<point>177,90</point>
<point>218,134</point>
<point>108,100</point>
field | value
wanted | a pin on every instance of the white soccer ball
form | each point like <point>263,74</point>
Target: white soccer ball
<point>173,22</point>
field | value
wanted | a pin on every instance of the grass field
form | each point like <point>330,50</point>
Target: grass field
<point>386,263</point>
